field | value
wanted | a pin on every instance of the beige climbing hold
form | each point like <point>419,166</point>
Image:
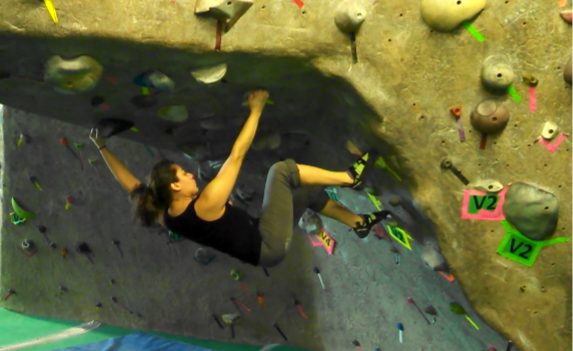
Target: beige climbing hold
<point>176,113</point>
<point>210,75</point>
<point>566,15</point>
<point>446,15</point>
<point>73,76</point>
<point>489,117</point>
<point>489,185</point>
<point>549,130</point>
<point>349,16</point>
<point>496,72</point>
<point>226,11</point>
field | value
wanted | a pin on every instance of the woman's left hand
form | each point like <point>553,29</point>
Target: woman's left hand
<point>230,202</point>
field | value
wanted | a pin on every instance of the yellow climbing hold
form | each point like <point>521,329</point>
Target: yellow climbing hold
<point>52,10</point>
<point>382,164</point>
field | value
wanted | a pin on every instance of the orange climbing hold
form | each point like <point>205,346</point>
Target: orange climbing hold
<point>456,111</point>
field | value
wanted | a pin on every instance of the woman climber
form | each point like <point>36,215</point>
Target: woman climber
<point>172,198</point>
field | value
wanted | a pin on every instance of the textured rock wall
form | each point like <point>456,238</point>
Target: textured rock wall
<point>406,79</point>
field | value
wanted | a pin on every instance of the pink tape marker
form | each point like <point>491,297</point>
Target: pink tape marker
<point>488,200</point>
<point>555,145</point>
<point>324,240</point>
<point>532,99</point>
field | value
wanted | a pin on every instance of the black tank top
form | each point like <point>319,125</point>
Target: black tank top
<point>235,233</point>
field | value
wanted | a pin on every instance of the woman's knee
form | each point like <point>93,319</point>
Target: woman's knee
<point>271,257</point>
<point>287,169</point>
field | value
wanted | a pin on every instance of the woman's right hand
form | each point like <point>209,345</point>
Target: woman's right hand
<point>96,138</point>
<point>258,99</point>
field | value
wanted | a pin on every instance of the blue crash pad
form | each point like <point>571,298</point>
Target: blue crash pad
<point>136,342</point>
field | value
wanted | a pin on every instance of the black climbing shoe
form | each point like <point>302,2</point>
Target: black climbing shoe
<point>357,171</point>
<point>369,220</point>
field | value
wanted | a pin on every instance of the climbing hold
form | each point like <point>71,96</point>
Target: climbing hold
<point>28,246</point>
<point>445,16</point>
<point>155,79</point>
<point>567,71</point>
<point>489,116</point>
<point>176,113</point>
<point>349,16</point>
<point>108,127</point>
<point>210,75</point>
<point>434,259</point>
<point>310,223</point>
<point>489,185</point>
<point>225,11</point>
<point>530,80</point>
<point>72,76</point>
<point>20,212</point>
<point>446,163</point>
<point>496,72</point>
<point>532,211</point>
<point>549,130</point>
<point>566,15</point>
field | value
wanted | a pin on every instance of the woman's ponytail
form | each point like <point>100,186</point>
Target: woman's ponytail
<point>149,201</point>
<point>145,206</point>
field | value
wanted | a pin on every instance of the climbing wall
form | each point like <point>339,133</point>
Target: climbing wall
<point>470,111</point>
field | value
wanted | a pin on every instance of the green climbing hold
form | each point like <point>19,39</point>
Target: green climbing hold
<point>20,212</point>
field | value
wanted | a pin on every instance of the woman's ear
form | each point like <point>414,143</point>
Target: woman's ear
<point>175,186</point>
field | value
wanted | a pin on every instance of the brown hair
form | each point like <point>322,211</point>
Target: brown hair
<point>149,200</point>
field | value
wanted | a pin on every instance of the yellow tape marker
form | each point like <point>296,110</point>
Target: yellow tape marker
<point>400,235</point>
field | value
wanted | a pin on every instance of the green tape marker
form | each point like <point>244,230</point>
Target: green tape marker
<point>520,248</point>
<point>473,31</point>
<point>133,129</point>
<point>511,90</point>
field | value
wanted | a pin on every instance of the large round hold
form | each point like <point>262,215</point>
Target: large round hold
<point>496,73</point>
<point>489,117</point>
<point>349,16</point>
<point>73,76</point>
<point>531,210</point>
<point>447,15</point>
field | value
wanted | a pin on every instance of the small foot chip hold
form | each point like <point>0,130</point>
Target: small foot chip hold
<point>446,163</point>
<point>488,185</point>
<point>549,130</point>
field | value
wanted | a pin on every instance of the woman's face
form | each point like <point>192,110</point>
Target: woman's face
<point>186,186</point>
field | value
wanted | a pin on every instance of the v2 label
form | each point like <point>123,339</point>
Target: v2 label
<point>480,202</point>
<point>513,249</point>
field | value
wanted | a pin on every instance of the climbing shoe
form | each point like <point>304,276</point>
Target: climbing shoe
<point>369,220</point>
<point>357,171</point>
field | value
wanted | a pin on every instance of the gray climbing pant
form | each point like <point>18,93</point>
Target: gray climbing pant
<point>284,202</point>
